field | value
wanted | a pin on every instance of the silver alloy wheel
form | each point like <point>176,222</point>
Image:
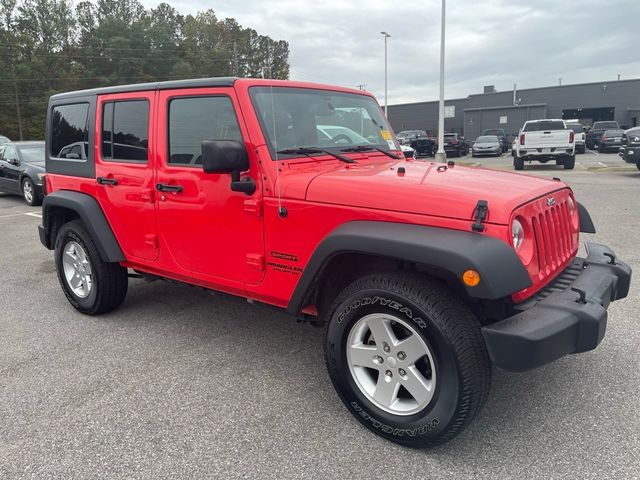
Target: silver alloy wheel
<point>27,191</point>
<point>381,363</point>
<point>77,269</point>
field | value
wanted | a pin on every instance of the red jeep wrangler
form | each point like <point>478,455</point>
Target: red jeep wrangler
<point>424,275</point>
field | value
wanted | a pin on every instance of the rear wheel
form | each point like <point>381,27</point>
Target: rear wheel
<point>407,358</point>
<point>29,192</point>
<point>91,285</point>
<point>569,162</point>
<point>518,163</point>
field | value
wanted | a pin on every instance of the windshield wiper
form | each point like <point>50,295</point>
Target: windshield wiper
<point>308,151</point>
<point>368,148</point>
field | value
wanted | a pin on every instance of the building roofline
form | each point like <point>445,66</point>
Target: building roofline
<point>527,105</point>
<point>628,80</point>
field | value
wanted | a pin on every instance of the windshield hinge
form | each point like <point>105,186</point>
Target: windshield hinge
<point>482,208</point>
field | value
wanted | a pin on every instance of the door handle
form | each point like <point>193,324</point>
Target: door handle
<point>163,187</point>
<point>106,181</point>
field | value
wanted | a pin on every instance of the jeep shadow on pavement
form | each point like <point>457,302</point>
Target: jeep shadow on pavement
<point>296,195</point>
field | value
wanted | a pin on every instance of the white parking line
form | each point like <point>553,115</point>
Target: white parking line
<point>31,214</point>
<point>34,214</point>
<point>593,151</point>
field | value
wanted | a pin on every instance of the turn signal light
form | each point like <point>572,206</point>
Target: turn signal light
<point>471,278</point>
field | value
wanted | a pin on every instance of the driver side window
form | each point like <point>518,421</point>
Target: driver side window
<point>10,155</point>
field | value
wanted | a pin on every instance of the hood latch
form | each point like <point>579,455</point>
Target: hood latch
<point>482,209</point>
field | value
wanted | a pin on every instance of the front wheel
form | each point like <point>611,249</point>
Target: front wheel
<point>407,358</point>
<point>91,285</point>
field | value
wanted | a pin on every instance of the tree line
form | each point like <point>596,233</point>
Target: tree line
<point>51,46</point>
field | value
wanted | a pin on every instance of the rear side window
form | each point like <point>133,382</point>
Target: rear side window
<point>125,131</point>
<point>543,126</point>
<point>68,130</point>
<point>194,119</point>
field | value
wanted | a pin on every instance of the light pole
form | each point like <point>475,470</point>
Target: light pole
<point>386,35</point>
<point>441,156</point>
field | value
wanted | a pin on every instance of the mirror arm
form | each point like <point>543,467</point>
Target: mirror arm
<point>246,185</point>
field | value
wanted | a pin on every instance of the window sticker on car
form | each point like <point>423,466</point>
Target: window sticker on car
<point>386,134</point>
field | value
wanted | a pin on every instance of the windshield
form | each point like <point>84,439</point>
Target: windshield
<point>576,127</point>
<point>613,133</point>
<point>605,125</point>
<point>33,154</point>
<point>303,117</point>
<point>487,139</point>
<point>543,126</point>
<point>411,133</point>
<point>494,132</point>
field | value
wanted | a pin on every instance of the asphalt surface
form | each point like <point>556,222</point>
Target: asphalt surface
<point>182,383</point>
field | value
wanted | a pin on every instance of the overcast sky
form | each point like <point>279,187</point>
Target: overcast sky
<point>489,42</point>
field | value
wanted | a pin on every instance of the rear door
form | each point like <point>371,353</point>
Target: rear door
<point>124,170</point>
<point>212,232</point>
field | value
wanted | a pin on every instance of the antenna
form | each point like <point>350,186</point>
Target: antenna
<point>282,212</point>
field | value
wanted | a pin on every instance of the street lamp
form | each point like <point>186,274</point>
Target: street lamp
<point>386,35</point>
<point>440,154</point>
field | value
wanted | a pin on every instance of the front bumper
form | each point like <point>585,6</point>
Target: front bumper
<point>568,316</point>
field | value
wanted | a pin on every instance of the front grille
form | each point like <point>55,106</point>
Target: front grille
<point>552,230</point>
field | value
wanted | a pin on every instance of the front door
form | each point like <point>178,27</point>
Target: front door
<point>212,232</point>
<point>124,171</point>
<point>11,170</point>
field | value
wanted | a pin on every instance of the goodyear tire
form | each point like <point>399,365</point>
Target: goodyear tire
<point>426,375</point>
<point>91,285</point>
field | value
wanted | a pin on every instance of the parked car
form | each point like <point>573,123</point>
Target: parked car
<point>4,139</point>
<point>487,145</point>
<point>500,133</point>
<point>611,140</point>
<point>580,136</point>
<point>423,276</point>
<point>630,149</point>
<point>22,169</point>
<point>543,141</point>
<point>596,131</point>
<point>455,144</point>
<point>423,146</point>
<point>405,137</point>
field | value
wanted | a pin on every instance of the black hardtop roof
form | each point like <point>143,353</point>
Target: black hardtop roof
<point>139,87</point>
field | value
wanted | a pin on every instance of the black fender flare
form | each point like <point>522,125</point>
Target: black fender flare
<point>501,270</point>
<point>92,216</point>
<point>586,224</point>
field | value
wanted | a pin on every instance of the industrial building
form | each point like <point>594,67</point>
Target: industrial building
<point>587,102</point>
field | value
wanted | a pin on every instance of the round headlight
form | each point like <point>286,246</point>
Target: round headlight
<point>517,234</point>
<point>572,206</point>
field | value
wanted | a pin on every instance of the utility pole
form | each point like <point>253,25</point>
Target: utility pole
<point>235,58</point>
<point>441,156</point>
<point>386,35</point>
<point>15,89</point>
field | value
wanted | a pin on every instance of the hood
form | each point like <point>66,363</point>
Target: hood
<point>486,144</point>
<point>423,189</point>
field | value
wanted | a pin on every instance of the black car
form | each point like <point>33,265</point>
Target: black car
<point>630,150</point>
<point>21,170</point>
<point>505,144</point>
<point>611,140</point>
<point>405,137</point>
<point>597,130</point>
<point>455,144</point>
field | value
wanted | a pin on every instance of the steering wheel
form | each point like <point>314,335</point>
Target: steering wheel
<point>341,136</point>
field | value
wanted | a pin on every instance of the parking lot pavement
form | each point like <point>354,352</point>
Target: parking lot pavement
<point>181,383</point>
<point>590,160</point>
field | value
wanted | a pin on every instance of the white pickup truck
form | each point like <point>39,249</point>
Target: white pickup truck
<point>545,140</point>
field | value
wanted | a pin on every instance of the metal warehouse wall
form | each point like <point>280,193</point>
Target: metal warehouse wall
<point>623,96</point>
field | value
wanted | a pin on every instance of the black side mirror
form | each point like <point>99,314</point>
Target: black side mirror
<point>228,156</point>
<point>14,161</point>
